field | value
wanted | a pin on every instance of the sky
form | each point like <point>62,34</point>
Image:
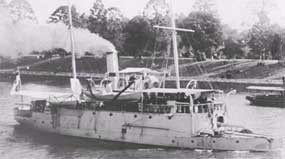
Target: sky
<point>236,13</point>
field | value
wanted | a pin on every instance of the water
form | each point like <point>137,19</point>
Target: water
<point>17,142</point>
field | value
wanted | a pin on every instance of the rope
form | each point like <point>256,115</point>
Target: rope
<point>154,48</point>
<point>199,69</point>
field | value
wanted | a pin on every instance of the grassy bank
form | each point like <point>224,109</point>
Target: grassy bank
<point>210,69</point>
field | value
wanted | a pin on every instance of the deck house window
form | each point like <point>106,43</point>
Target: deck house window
<point>182,108</point>
<point>201,108</point>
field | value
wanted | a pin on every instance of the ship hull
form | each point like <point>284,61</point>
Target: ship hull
<point>267,101</point>
<point>142,130</point>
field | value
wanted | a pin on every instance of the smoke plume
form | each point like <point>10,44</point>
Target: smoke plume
<point>21,38</point>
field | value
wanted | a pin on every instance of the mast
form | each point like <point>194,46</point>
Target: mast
<point>174,42</point>
<point>71,42</point>
<point>74,82</point>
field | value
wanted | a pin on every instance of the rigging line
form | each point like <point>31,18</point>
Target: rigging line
<point>155,41</point>
<point>166,59</point>
<point>167,54</point>
<point>144,50</point>
<point>204,71</point>
<point>198,65</point>
<point>154,49</point>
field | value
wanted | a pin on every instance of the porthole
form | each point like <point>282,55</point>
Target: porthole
<point>214,141</point>
<point>237,141</point>
<point>43,122</point>
<point>135,115</point>
<point>169,117</point>
<point>111,114</point>
<point>192,141</point>
<point>172,141</point>
<point>150,117</point>
<point>93,113</point>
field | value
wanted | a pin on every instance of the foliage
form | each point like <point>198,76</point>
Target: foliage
<point>208,33</point>
<point>233,49</point>
<point>161,37</point>
<point>138,34</point>
<point>233,43</point>
<point>157,13</point>
<point>156,7</point>
<point>260,41</point>
<point>137,37</point>
<point>261,38</point>
<point>108,23</point>
<point>142,38</point>
<point>276,47</point>
<point>97,19</point>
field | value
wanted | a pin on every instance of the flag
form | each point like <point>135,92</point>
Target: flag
<point>59,15</point>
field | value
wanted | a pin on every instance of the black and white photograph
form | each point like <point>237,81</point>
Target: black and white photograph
<point>142,79</point>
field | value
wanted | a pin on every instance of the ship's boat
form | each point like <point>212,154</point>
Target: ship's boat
<point>103,96</point>
<point>267,96</point>
<point>126,87</point>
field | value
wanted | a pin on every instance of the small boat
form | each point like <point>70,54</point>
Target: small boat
<point>126,87</point>
<point>126,96</point>
<point>267,96</point>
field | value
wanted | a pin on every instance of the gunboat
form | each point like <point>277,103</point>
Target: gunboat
<point>168,117</point>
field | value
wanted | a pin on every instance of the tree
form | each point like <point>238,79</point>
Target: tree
<point>115,25</point>
<point>157,13</point>
<point>260,10</point>
<point>97,19</point>
<point>108,23</point>
<point>233,49</point>
<point>154,8</point>
<point>276,47</point>
<point>161,37</point>
<point>207,36</point>
<point>61,15</point>
<point>138,34</point>
<point>234,46</point>
<point>262,38</point>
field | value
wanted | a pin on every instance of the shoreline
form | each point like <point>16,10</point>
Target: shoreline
<point>205,83</point>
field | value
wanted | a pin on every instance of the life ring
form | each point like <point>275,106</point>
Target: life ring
<point>146,85</point>
<point>155,85</point>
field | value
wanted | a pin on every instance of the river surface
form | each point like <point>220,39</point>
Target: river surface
<point>20,143</point>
